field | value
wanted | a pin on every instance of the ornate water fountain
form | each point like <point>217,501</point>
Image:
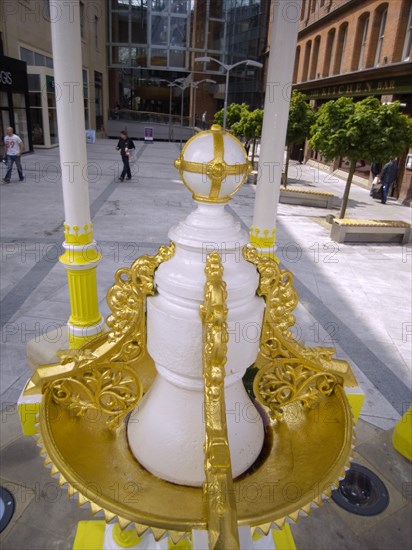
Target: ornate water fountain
<point>151,422</point>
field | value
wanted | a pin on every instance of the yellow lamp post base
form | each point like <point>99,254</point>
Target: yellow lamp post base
<point>91,535</point>
<point>402,435</point>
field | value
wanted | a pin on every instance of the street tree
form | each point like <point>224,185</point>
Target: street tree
<point>301,118</point>
<point>249,127</point>
<point>366,130</point>
<point>233,114</point>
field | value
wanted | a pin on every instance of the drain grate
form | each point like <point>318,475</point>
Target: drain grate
<point>361,492</point>
<point>7,507</point>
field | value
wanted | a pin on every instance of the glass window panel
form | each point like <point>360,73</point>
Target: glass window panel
<point>180,6</point>
<point>20,126</point>
<point>177,58</point>
<point>39,60</point>
<point>138,3</point>
<point>178,32</point>
<point>51,101</point>
<point>34,82</point>
<point>49,62</point>
<point>159,57</point>
<point>37,126</point>
<point>19,101</point>
<point>120,4</point>
<point>27,56</point>
<point>215,35</point>
<point>159,30</point>
<point>216,9</point>
<point>35,99</point>
<point>120,27</point>
<point>3,99</point>
<point>160,5</point>
<point>53,126</point>
<point>123,56</point>
<point>139,27</point>
<point>139,57</point>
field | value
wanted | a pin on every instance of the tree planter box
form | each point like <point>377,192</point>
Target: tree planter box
<point>370,231</point>
<point>306,197</point>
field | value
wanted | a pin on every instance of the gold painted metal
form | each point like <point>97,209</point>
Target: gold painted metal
<point>217,169</point>
<point>218,488</point>
<point>85,438</point>
<point>124,344</point>
<point>289,372</point>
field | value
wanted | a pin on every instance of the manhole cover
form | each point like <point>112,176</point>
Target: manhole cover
<point>6,508</point>
<point>361,492</point>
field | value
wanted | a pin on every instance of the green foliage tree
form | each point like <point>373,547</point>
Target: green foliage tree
<point>234,114</point>
<point>364,130</point>
<point>301,118</point>
<point>249,127</point>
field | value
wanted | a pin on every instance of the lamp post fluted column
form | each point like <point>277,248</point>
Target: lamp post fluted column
<point>81,255</point>
<point>274,127</point>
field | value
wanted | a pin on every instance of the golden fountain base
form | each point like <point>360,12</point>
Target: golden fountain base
<point>303,457</point>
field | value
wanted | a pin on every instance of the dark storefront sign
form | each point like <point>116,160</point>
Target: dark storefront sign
<point>381,86</point>
<point>13,75</point>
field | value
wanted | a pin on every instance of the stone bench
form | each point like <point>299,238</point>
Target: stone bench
<point>370,231</point>
<point>306,197</point>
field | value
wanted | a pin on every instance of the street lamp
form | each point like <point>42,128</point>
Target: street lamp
<point>171,84</point>
<point>195,86</point>
<point>228,68</point>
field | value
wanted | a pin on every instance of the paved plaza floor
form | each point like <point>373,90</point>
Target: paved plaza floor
<point>356,298</point>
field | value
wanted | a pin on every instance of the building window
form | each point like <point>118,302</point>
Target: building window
<point>329,52</point>
<point>380,37</point>
<point>340,49</point>
<point>96,32</point>
<point>296,68</point>
<point>305,71</point>
<point>82,29</point>
<point>364,26</point>
<point>35,59</point>
<point>315,56</point>
<point>35,104</point>
<point>406,54</point>
<point>302,11</point>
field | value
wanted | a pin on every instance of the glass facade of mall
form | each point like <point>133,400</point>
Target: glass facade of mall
<point>151,42</point>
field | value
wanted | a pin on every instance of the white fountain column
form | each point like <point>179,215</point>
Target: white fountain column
<point>167,432</point>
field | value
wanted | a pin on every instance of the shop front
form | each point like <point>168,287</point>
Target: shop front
<point>14,100</point>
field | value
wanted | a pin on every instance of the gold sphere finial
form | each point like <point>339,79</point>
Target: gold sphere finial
<point>213,165</point>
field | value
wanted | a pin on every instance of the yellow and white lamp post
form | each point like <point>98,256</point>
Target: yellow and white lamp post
<point>81,256</point>
<point>275,121</point>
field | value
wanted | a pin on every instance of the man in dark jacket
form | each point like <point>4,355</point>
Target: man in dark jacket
<point>388,176</point>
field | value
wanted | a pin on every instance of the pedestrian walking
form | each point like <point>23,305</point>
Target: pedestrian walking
<point>376,168</point>
<point>388,176</point>
<point>204,120</point>
<point>125,145</point>
<point>13,148</point>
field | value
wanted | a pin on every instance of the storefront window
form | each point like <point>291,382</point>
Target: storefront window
<point>3,99</point>
<point>20,125</point>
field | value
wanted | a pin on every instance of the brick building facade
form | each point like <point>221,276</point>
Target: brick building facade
<point>357,48</point>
